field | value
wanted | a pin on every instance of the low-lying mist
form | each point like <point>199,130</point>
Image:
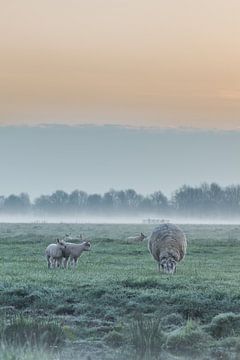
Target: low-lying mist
<point>123,219</point>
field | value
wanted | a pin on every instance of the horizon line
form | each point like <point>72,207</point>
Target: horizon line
<point>119,125</point>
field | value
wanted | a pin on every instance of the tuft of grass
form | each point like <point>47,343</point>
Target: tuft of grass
<point>172,322</point>
<point>147,338</point>
<point>188,339</point>
<point>224,325</point>
<point>21,331</point>
<point>114,338</point>
<point>25,353</point>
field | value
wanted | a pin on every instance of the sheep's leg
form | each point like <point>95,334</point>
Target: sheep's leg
<point>159,267</point>
<point>69,262</point>
<point>75,260</point>
<point>48,262</point>
<point>65,263</point>
<point>51,263</point>
<point>58,263</point>
<point>55,263</point>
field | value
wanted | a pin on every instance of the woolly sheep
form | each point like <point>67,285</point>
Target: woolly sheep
<point>54,253</point>
<point>137,238</point>
<point>167,244</point>
<point>73,251</point>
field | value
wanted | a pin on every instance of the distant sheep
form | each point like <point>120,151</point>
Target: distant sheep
<point>54,253</point>
<point>68,237</point>
<point>73,251</point>
<point>167,244</point>
<point>137,238</point>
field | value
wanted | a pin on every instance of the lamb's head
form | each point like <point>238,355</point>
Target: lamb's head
<point>86,245</point>
<point>61,244</point>
<point>168,265</point>
<point>143,236</point>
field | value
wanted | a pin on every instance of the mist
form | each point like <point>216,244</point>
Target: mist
<point>86,219</point>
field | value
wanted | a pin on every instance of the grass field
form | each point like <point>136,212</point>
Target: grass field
<point>116,305</point>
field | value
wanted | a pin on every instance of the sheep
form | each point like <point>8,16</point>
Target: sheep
<point>70,237</point>
<point>167,245</point>
<point>137,238</point>
<point>73,251</point>
<point>54,253</point>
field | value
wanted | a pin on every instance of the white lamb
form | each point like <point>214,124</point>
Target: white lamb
<point>54,253</point>
<point>73,251</point>
<point>137,238</point>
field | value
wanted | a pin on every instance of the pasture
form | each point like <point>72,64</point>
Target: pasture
<point>116,305</point>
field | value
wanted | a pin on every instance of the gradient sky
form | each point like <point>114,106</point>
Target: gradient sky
<point>96,158</point>
<point>138,62</point>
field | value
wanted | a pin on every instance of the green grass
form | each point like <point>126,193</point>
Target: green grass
<point>116,284</point>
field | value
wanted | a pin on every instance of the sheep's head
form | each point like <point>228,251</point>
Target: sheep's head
<point>87,246</point>
<point>62,244</point>
<point>168,265</point>
<point>143,236</point>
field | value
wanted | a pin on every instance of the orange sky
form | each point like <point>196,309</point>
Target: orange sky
<point>137,62</point>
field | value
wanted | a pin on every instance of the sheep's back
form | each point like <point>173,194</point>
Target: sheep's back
<point>167,238</point>
<point>72,249</point>
<point>133,238</point>
<point>53,250</point>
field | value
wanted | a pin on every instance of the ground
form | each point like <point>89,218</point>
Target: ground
<point>116,305</point>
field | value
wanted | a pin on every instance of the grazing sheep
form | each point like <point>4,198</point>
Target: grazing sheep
<point>54,253</point>
<point>73,251</point>
<point>137,238</point>
<point>167,244</point>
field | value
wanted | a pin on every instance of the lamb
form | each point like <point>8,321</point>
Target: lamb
<point>137,238</point>
<point>167,244</point>
<point>73,251</point>
<point>54,253</point>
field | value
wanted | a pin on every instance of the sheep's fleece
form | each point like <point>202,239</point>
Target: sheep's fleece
<point>167,240</point>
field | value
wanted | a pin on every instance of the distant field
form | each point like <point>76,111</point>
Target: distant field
<point>116,305</point>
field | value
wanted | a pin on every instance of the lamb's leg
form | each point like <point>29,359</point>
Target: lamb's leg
<point>65,262</point>
<point>54,263</point>
<point>159,267</point>
<point>58,263</point>
<point>51,263</point>
<point>48,262</point>
<point>75,260</point>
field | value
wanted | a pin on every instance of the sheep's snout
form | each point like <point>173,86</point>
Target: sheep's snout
<point>168,265</point>
<point>87,246</point>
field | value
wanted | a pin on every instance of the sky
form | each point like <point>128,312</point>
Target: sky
<point>161,63</point>
<point>41,160</point>
<point>101,94</point>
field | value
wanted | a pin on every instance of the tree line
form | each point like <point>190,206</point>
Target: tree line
<point>203,200</point>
